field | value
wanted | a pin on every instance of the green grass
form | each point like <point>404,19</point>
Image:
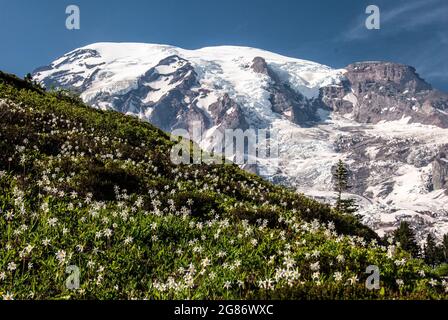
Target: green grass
<point>97,190</point>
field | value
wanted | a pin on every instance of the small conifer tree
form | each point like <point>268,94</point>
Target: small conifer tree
<point>341,185</point>
<point>406,237</point>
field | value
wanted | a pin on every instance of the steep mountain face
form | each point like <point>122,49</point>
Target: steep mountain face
<point>386,122</point>
<point>283,99</point>
<point>376,91</point>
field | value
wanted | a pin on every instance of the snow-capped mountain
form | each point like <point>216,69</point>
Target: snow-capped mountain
<point>387,123</point>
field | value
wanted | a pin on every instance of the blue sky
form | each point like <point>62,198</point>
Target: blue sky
<point>415,32</point>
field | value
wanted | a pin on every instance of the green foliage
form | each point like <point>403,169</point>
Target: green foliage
<point>68,95</point>
<point>97,190</point>
<point>445,248</point>
<point>348,206</point>
<point>406,237</point>
<point>433,254</point>
<point>442,270</point>
<point>341,185</point>
<point>27,83</point>
<point>28,78</point>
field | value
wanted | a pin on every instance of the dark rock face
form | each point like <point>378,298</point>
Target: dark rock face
<point>399,76</point>
<point>228,114</point>
<point>440,170</point>
<point>332,97</point>
<point>377,91</point>
<point>284,100</point>
<point>172,109</point>
<point>366,151</point>
<point>259,65</point>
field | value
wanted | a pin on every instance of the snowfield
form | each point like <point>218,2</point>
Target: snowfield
<point>222,68</point>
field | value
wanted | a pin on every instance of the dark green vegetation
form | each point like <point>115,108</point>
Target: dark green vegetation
<point>341,185</point>
<point>432,253</point>
<point>97,190</point>
<point>406,237</point>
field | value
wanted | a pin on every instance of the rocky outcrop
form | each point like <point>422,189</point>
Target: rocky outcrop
<point>284,100</point>
<point>259,65</point>
<point>163,98</point>
<point>395,76</point>
<point>440,170</point>
<point>227,114</point>
<point>381,91</point>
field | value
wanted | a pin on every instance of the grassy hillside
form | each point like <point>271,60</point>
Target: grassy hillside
<point>98,190</point>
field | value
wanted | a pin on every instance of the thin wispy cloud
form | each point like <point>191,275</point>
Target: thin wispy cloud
<point>405,17</point>
<point>407,9</point>
<point>430,60</point>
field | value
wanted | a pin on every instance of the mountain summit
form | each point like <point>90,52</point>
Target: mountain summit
<point>381,118</point>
